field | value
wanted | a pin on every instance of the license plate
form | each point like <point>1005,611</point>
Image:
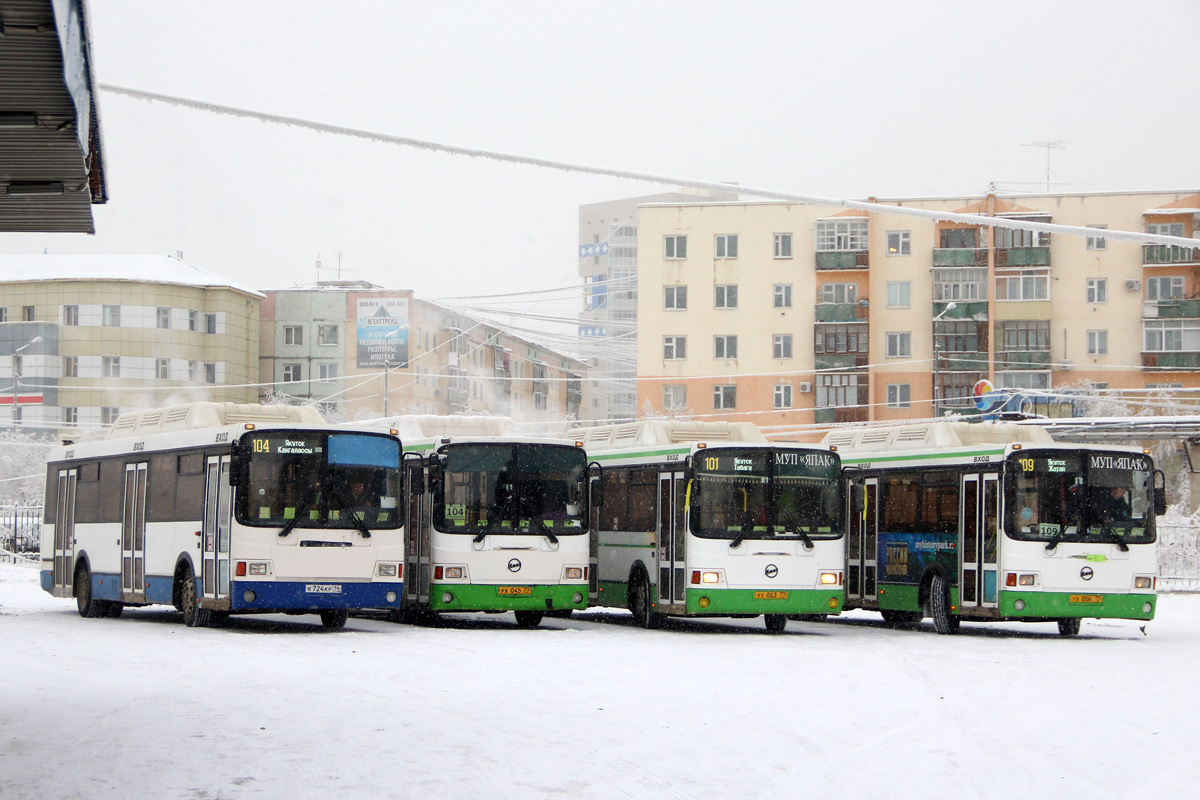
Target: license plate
<point>515,590</point>
<point>323,588</point>
<point>1087,598</point>
<point>770,595</point>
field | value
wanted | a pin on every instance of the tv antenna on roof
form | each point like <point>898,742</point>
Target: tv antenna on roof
<point>1052,144</point>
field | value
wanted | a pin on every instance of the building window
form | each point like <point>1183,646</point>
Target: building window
<point>111,366</point>
<point>841,235</point>
<point>966,283</point>
<point>291,373</point>
<point>783,395</point>
<point>1009,238</point>
<point>109,414</point>
<point>539,401</point>
<point>839,293</point>
<point>28,313</point>
<point>1171,335</point>
<point>675,297</point>
<point>783,245</point>
<point>1025,336</point>
<point>899,344</point>
<point>726,296</point>
<point>1097,343</point>
<point>193,321</point>
<point>1097,290</point>
<point>724,347</point>
<point>293,334</point>
<point>674,347</point>
<point>70,366</point>
<point>1166,228</point>
<point>959,336</point>
<point>899,294</point>
<point>726,245</point>
<point>674,398</point>
<point>959,238</point>
<point>70,315</point>
<point>327,334</point>
<point>1024,284</point>
<point>837,390</point>
<point>675,246</point>
<point>327,372</point>
<point>210,373</point>
<point>1023,379</point>
<point>162,368</point>
<point>112,316</point>
<point>782,295</point>
<point>840,338</point>
<point>210,323</point>
<point>781,345</point>
<point>1162,386</point>
<point>899,395</point>
<point>163,318</point>
<point>1097,242</point>
<point>194,371</point>
<point>70,415</point>
<point>899,243</point>
<point>1166,287</point>
<point>4,313</point>
<point>724,396</point>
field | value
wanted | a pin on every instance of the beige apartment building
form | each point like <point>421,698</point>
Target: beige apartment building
<point>85,338</point>
<point>358,351</point>
<point>786,314</point>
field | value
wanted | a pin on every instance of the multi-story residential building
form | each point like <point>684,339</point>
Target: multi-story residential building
<point>608,260</point>
<point>84,338</point>
<point>362,351</point>
<point>787,314</point>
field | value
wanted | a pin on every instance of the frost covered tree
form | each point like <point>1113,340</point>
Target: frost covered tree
<point>22,468</point>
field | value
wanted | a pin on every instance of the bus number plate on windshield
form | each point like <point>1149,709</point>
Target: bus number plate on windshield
<point>323,588</point>
<point>770,595</point>
<point>1087,598</point>
<point>514,590</point>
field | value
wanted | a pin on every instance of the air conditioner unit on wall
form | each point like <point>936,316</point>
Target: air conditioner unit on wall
<point>805,387</point>
<point>1133,286</point>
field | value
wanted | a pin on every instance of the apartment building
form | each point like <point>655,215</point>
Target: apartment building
<point>786,314</point>
<point>85,338</point>
<point>360,351</point>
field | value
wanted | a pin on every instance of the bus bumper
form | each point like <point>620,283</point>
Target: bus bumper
<point>313,596</point>
<point>1064,605</point>
<point>479,597</point>
<point>726,602</point>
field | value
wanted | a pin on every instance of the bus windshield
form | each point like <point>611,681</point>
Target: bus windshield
<point>512,488</point>
<point>765,493</point>
<point>1081,496</point>
<point>318,479</point>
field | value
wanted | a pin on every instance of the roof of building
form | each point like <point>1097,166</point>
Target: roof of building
<point>138,269</point>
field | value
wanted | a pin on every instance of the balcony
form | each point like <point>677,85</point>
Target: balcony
<point>1022,359</point>
<point>837,414</point>
<point>960,257</point>
<point>1171,360</point>
<point>1023,257</point>
<point>843,259</point>
<point>840,361</point>
<point>1154,254</point>
<point>842,312</point>
<point>1171,309</point>
<point>964,362</point>
<point>962,310</point>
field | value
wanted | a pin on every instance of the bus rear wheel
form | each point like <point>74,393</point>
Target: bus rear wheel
<point>639,602</point>
<point>85,601</point>
<point>900,619</point>
<point>1069,627</point>
<point>944,621</point>
<point>334,617</point>
<point>528,619</point>
<point>193,615</point>
<point>775,622</point>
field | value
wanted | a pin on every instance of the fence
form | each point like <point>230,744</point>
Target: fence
<point>20,532</point>
<point>1179,554</point>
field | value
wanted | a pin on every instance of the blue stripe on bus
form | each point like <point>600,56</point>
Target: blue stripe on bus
<point>292,595</point>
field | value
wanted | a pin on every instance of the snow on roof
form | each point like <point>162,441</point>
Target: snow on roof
<point>136,269</point>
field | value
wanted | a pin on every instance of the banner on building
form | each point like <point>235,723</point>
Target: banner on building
<point>382,332</point>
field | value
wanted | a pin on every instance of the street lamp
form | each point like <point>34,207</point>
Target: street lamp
<point>937,360</point>
<point>16,370</point>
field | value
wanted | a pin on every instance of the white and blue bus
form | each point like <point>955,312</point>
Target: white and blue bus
<point>988,521</point>
<point>708,519</point>
<point>221,508</point>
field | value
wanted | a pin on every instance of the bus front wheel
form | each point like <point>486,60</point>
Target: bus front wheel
<point>85,601</point>
<point>944,621</point>
<point>639,602</point>
<point>334,617</point>
<point>775,622</point>
<point>528,619</point>
<point>193,615</point>
<point>1069,627</point>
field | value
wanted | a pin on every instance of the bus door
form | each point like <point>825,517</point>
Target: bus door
<point>215,533</point>
<point>862,540</point>
<point>64,533</point>
<point>594,540</point>
<point>672,530</point>
<point>979,513</point>
<point>416,535</point>
<point>133,534</point>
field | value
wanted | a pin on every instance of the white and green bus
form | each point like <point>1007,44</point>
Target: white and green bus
<point>708,519</point>
<point>994,521</point>
<point>495,521</point>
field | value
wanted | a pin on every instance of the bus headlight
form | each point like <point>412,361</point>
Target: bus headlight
<point>447,597</point>
<point>829,579</point>
<point>1142,582</point>
<point>456,573</point>
<point>710,577</point>
<point>386,570</point>
<point>573,573</point>
<point>1027,580</point>
<point>257,567</point>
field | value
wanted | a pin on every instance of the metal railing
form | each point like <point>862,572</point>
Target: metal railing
<point>20,532</point>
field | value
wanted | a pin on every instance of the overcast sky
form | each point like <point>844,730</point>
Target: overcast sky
<point>832,99</point>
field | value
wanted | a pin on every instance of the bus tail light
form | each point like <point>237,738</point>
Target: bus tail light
<point>1010,579</point>
<point>829,579</point>
<point>1143,582</point>
<point>437,573</point>
<point>695,576</point>
<point>241,569</point>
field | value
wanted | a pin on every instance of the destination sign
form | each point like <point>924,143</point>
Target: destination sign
<point>294,445</point>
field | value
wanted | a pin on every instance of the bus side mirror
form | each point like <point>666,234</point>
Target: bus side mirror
<point>596,482</point>
<point>236,464</point>
<point>1160,493</point>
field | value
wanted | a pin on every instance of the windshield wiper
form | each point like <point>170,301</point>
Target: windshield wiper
<point>294,521</point>
<point>1056,538</point>
<point>546,530</point>
<point>492,521</point>
<point>747,529</point>
<point>358,523</point>
<point>794,520</point>
<point>1111,531</point>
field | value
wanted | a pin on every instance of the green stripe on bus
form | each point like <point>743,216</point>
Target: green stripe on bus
<point>917,456</point>
<point>646,454</point>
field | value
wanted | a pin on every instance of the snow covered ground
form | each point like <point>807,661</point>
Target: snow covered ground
<point>590,707</point>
